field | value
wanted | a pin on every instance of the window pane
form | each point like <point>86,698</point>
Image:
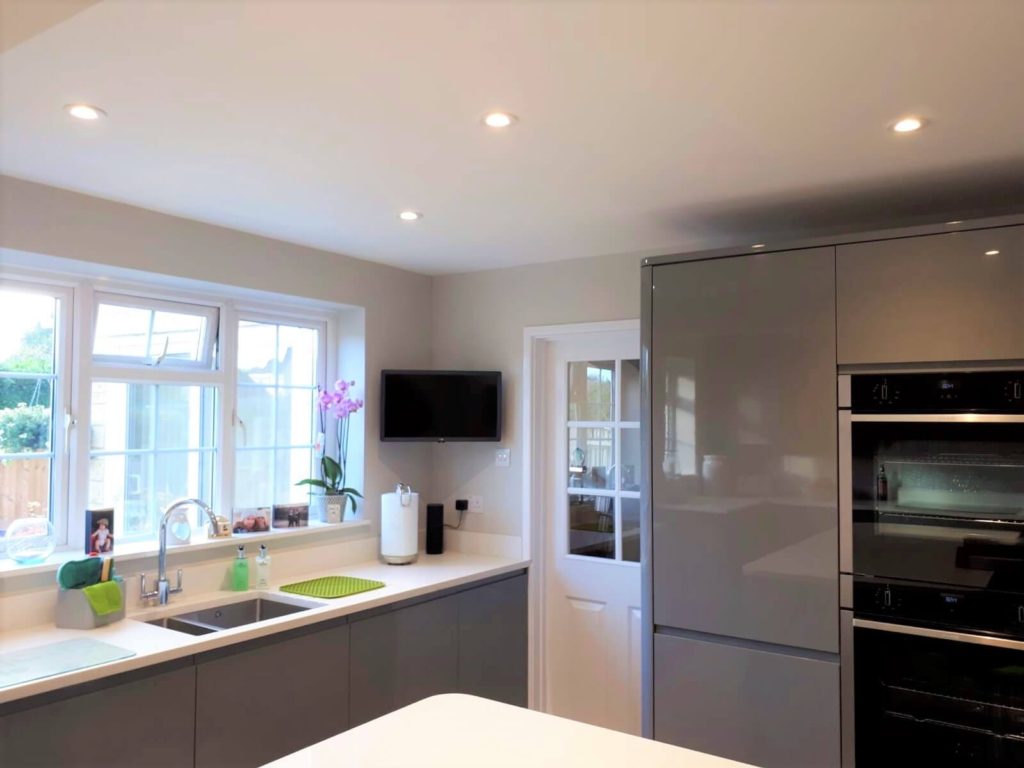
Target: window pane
<point>254,477</point>
<point>121,331</point>
<point>592,526</point>
<point>296,356</point>
<point>179,334</point>
<point>24,489</point>
<point>294,417</point>
<point>145,441</point>
<point>629,445</point>
<point>150,334</point>
<point>630,390</point>
<point>255,408</point>
<point>591,457</point>
<point>28,428</point>
<point>27,342</point>
<point>630,509</point>
<point>292,466</point>
<point>257,349</point>
<point>592,391</point>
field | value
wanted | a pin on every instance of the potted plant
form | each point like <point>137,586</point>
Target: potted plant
<point>334,496</point>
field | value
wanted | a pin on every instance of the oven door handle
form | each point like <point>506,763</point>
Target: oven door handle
<point>939,634</point>
<point>942,418</point>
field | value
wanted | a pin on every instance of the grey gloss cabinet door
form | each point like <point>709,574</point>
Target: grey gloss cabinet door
<point>744,448</point>
<point>493,641</point>
<point>148,721</point>
<point>259,704</point>
<point>935,298</point>
<point>768,709</point>
<point>402,656</point>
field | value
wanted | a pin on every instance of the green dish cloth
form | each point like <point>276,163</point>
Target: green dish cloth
<point>79,573</point>
<point>105,597</point>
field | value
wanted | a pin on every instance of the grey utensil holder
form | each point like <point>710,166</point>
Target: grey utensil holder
<point>74,611</point>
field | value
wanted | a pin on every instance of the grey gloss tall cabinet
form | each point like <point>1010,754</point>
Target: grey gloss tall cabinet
<point>741,572</point>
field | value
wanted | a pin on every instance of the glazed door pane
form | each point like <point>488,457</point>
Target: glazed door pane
<point>744,455</point>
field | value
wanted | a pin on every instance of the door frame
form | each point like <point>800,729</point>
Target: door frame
<point>535,344</point>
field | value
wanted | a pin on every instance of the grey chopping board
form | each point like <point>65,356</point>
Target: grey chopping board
<point>29,664</point>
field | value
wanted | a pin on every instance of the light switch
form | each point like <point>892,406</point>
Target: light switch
<point>476,504</point>
<point>503,457</point>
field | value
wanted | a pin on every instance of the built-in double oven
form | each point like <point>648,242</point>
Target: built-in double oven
<point>931,506</point>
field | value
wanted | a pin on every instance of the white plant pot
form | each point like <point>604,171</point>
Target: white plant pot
<point>330,508</point>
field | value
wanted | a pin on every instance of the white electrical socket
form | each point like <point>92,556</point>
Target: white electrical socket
<point>476,504</point>
<point>503,457</point>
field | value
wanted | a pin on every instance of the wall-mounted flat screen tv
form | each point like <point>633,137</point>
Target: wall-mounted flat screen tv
<point>440,406</point>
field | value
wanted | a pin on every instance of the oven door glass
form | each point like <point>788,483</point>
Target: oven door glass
<point>939,501</point>
<point>930,702</point>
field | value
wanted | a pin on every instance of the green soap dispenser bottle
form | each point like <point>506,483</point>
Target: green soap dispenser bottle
<point>240,571</point>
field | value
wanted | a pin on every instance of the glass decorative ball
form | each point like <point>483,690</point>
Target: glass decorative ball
<point>30,540</point>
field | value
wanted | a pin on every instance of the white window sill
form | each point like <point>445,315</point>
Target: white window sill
<point>144,549</point>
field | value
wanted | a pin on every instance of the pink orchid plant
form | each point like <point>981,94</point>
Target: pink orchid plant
<point>339,404</point>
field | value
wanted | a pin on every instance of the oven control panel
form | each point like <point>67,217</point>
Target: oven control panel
<point>977,392</point>
<point>940,605</point>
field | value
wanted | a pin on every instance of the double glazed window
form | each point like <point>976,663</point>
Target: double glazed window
<point>277,376</point>
<point>170,399</point>
<point>32,371</point>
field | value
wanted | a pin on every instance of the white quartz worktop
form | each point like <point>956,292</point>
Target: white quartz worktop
<point>459,731</point>
<point>154,644</point>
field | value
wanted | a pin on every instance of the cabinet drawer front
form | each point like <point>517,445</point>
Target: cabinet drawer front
<point>937,298</point>
<point>768,709</point>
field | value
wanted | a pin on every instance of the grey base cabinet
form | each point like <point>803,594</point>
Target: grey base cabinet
<point>773,710</point>
<point>402,656</point>
<point>275,697</point>
<point>148,720</point>
<point>248,704</point>
<point>493,641</point>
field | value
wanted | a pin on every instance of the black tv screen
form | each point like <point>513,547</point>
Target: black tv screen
<point>440,406</point>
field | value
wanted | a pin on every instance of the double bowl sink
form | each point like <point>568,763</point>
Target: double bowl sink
<point>229,616</point>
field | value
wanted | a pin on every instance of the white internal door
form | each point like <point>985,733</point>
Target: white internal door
<point>591,547</point>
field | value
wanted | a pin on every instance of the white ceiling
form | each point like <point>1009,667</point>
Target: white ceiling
<point>646,127</point>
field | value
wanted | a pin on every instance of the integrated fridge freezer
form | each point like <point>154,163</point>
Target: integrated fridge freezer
<point>740,562</point>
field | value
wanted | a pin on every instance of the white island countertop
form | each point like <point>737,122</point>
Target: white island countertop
<point>459,731</point>
<point>153,644</point>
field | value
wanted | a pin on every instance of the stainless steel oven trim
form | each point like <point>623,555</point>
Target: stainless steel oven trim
<point>848,757</point>
<point>845,492</point>
<point>844,391</point>
<point>943,418</point>
<point>940,634</point>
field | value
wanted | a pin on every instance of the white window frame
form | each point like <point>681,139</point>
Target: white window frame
<point>326,342</point>
<point>60,407</point>
<point>210,312</point>
<point>78,368</point>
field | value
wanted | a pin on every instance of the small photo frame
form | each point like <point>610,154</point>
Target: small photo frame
<point>291,515</point>
<point>250,520</point>
<point>99,531</point>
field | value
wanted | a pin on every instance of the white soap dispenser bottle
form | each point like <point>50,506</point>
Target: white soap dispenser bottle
<point>262,568</point>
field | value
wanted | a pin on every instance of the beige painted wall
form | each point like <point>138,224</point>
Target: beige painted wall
<point>45,220</point>
<point>478,322</point>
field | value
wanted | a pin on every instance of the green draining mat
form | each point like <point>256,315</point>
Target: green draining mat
<point>332,586</point>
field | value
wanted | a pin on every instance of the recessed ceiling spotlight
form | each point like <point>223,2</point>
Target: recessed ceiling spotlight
<point>908,125</point>
<point>499,119</point>
<point>953,223</point>
<point>410,215</point>
<point>757,245</point>
<point>993,252</point>
<point>84,111</point>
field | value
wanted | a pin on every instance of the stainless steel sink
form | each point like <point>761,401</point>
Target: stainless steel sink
<point>229,616</point>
